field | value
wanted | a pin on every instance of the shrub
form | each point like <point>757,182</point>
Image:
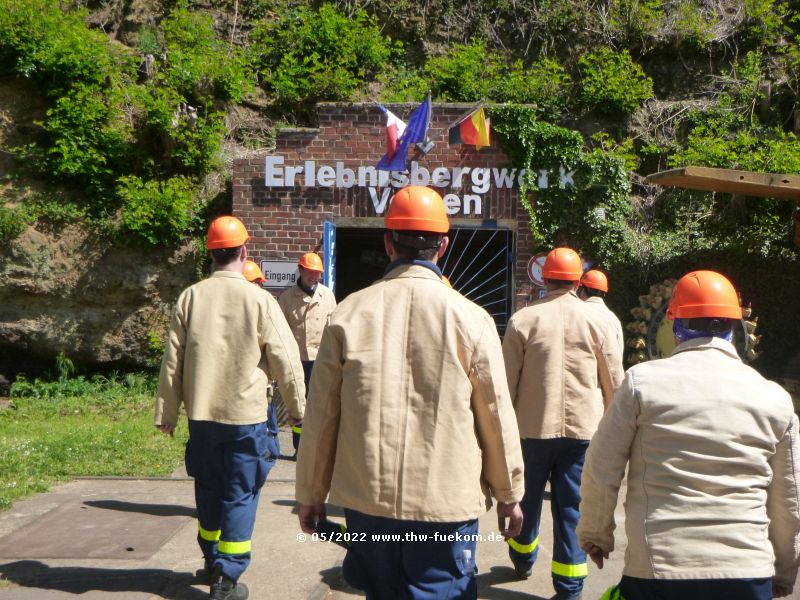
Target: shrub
<point>198,65</point>
<point>157,212</point>
<point>545,83</point>
<point>402,83</point>
<point>637,18</point>
<point>12,223</point>
<point>691,25</point>
<point>85,147</point>
<point>111,138</point>
<point>612,82</point>
<point>466,73</point>
<point>312,55</point>
<point>53,208</point>
<point>472,72</point>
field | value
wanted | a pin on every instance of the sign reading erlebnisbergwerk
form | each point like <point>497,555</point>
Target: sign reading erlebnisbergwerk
<point>479,180</point>
<point>279,273</point>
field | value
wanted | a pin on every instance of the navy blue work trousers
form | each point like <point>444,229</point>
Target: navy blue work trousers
<point>633,588</point>
<point>559,460</point>
<point>229,464</point>
<point>421,560</point>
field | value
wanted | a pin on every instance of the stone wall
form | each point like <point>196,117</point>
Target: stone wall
<point>69,291</point>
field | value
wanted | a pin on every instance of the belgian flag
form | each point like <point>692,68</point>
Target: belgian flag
<point>472,129</point>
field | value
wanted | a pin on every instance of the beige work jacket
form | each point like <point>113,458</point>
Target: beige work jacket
<point>226,336</point>
<point>613,335</point>
<point>408,410</point>
<point>712,449</point>
<point>307,316</point>
<point>560,365</point>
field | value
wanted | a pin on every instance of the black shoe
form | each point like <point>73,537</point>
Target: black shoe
<point>227,589</point>
<point>523,571</point>
<point>204,576</point>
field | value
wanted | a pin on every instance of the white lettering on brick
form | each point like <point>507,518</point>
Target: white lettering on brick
<point>345,178</point>
<point>476,201</point>
<point>380,205</point>
<point>273,171</point>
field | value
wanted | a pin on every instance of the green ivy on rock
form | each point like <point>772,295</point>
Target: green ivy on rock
<point>591,214</point>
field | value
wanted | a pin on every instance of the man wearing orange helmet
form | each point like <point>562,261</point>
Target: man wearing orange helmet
<point>409,422</point>
<point>560,366</point>
<point>307,307</point>
<point>712,508</point>
<point>592,290</point>
<point>224,340</point>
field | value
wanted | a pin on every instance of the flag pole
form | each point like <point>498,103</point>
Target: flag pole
<point>430,110</point>
<point>427,145</point>
<point>468,113</point>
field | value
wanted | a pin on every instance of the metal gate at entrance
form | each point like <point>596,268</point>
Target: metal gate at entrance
<point>479,265</point>
<point>478,262</point>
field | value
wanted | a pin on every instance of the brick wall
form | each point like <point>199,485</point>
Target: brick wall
<point>285,222</point>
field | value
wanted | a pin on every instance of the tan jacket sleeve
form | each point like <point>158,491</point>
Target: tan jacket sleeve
<point>283,359</point>
<point>610,371</point>
<point>604,469</point>
<point>783,507</point>
<point>321,426</point>
<point>170,379</point>
<point>513,357</point>
<point>614,349</point>
<point>496,423</point>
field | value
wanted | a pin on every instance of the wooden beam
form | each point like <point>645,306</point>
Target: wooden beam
<point>730,181</point>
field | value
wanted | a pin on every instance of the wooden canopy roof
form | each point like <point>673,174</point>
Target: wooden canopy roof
<point>745,183</point>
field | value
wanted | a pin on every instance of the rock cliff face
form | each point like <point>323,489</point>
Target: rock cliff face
<point>70,291</point>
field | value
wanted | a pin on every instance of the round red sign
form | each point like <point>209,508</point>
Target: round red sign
<point>535,266</point>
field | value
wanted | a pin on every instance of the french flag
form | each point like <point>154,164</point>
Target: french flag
<point>394,129</point>
<point>400,136</point>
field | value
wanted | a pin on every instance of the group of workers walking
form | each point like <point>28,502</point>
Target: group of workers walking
<point>418,418</point>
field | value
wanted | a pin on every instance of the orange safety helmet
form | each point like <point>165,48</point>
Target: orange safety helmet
<point>704,294</point>
<point>563,264</point>
<point>252,273</point>
<point>226,232</point>
<point>595,279</point>
<point>417,208</point>
<point>311,261</point>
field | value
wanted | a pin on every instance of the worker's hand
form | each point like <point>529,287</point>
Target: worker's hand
<point>310,515</point>
<point>596,553</point>
<point>293,421</point>
<point>513,513</point>
<point>167,428</point>
<point>780,591</point>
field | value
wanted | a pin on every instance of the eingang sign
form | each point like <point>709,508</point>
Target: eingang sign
<point>279,273</point>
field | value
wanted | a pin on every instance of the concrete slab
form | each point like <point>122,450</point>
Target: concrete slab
<point>281,567</point>
<point>102,529</point>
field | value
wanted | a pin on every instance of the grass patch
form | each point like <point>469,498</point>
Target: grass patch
<point>53,431</point>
